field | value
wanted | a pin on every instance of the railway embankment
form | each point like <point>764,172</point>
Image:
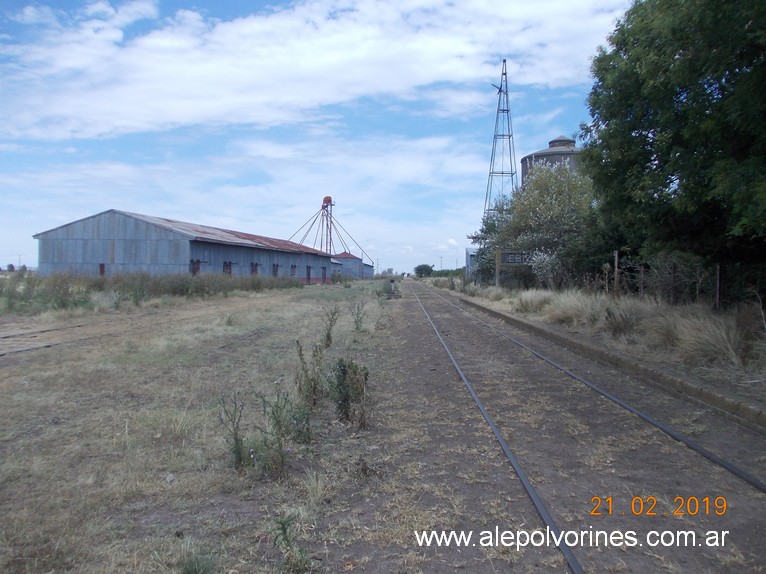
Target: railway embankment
<point>746,401</point>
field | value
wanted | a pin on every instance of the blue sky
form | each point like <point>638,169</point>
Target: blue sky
<point>245,114</point>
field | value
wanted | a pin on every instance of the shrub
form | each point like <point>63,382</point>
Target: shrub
<point>231,418</point>
<point>294,558</point>
<point>330,314</point>
<point>284,421</point>
<point>193,563</point>
<point>533,300</point>
<point>308,379</point>
<point>711,340</point>
<point>576,308</point>
<point>348,390</point>
<point>358,313</point>
<point>661,331</point>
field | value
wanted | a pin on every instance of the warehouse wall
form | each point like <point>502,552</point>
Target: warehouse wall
<point>112,243</point>
<point>213,256</point>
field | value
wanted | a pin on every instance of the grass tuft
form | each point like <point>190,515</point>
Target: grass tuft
<point>711,340</point>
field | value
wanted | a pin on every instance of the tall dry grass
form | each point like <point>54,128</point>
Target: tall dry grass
<point>26,293</point>
<point>692,334</point>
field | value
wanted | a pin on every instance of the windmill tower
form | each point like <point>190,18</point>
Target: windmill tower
<point>502,167</point>
<point>323,221</point>
<point>326,224</point>
<point>327,230</point>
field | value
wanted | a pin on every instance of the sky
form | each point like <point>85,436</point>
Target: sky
<point>244,114</point>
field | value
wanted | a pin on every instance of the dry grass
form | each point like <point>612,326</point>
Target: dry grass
<point>576,308</point>
<point>691,334</point>
<point>113,457</point>
<point>532,300</point>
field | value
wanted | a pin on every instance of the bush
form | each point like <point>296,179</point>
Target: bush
<point>24,292</point>
<point>533,300</point>
<point>711,340</point>
<point>348,390</point>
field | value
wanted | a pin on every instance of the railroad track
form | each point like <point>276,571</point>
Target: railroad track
<point>629,445</point>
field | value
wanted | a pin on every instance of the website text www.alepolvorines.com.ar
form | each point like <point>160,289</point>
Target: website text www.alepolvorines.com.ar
<point>519,539</point>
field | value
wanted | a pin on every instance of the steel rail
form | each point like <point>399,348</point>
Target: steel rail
<point>565,549</point>
<point>692,444</point>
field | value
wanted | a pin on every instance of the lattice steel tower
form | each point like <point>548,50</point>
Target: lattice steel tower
<point>502,167</point>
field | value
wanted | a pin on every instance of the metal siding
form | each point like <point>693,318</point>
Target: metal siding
<point>213,255</point>
<point>112,238</point>
<point>128,243</point>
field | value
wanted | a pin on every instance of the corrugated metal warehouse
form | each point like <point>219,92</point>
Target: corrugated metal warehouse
<point>120,242</point>
<point>354,266</point>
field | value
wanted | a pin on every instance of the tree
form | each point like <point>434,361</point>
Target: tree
<point>424,270</point>
<point>550,214</point>
<point>677,145</point>
<point>549,211</point>
<point>488,239</point>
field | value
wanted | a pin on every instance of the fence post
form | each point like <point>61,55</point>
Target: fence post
<point>498,261</point>
<point>717,302</point>
<point>673,269</point>
<point>616,273</point>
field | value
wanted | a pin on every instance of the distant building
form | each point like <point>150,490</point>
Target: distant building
<point>470,262</point>
<point>121,242</point>
<point>353,266</point>
<point>560,150</point>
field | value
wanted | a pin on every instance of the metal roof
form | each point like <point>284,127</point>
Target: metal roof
<point>217,235</point>
<point>346,255</point>
<point>561,145</point>
<point>196,232</point>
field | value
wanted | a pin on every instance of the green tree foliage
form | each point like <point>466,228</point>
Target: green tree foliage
<point>488,237</point>
<point>551,214</point>
<point>424,270</point>
<point>549,211</point>
<point>677,142</point>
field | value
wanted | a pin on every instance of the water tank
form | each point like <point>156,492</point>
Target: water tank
<point>560,150</point>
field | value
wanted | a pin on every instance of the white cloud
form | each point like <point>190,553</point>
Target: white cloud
<point>83,78</point>
<point>248,123</point>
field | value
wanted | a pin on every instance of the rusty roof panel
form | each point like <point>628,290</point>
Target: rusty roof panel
<point>217,235</point>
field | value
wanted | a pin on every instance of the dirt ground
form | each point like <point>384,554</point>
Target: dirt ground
<point>113,458</point>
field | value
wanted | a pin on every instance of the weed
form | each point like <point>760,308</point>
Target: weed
<point>28,293</point>
<point>468,288</point>
<point>358,313</point>
<point>575,308</point>
<point>231,417</point>
<point>349,393</point>
<point>294,559</point>
<point>711,340</point>
<point>283,422</point>
<point>268,454</point>
<point>330,314</point>
<point>308,379</point>
<point>533,300</point>
<point>619,322</point>
<point>286,420</point>
<point>196,564</point>
<point>316,488</point>
<point>661,331</point>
